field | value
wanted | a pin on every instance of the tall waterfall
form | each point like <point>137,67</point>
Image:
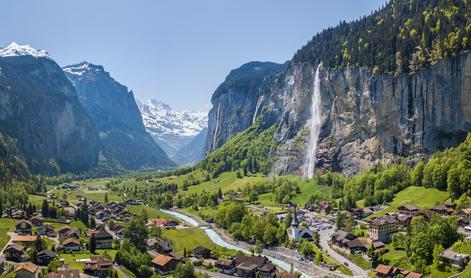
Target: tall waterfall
<point>314,128</point>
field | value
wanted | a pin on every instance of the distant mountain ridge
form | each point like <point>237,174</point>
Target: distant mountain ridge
<point>174,130</point>
<point>117,118</point>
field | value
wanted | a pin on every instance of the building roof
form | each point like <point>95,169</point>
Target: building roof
<point>225,262</point>
<point>383,220</point>
<point>201,249</point>
<point>162,260</point>
<point>46,252</point>
<point>17,247</point>
<point>65,273</point>
<point>30,267</point>
<point>413,275</point>
<point>259,261</point>
<point>19,238</point>
<point>383,269</point>
<point>268,267</point>
<point>360,241</point>
<point>72,240</point>
<point>286,275</point>
<point>409,207</point>
<point>453,255</point>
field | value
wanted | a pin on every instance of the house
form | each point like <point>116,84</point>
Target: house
<point>98,266</point>
<point>464,217</point>
<point>164,264</point>
<point>341,238</point>
<point>24,227</point>
<point>454,259</point>
<point>103,239</point>
<point>26,270</point>
<point>202,252</point>
<point>360,213</point>
<point>268,270</point>
<point>25,240</point>
<point>409,209</point>
<point>45,256</point>
<point>159,245</point>
<point>69,212</point>
<point>383,271</point>
<point>65,273</point>
<point>14,251</point>
<point>445,209</point>
<point>162,223</point>
<point>247,266</point>
<point>382,228</point>
<point>225,266</point>
<point>37,220</point>
<point>413,275</point>
<point>67,231</point>
<point>324,207</point>
<point>46,230</point>
<point>359,245</point>
<point>71,244</point>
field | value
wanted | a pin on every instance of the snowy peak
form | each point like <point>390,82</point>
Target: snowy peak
<point>162,121</point>
<point>15,50</point>
<point>82,68</point>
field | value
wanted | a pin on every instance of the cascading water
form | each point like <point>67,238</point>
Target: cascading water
<point>314,127</point>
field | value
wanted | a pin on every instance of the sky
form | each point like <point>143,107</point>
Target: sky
<point>174,51</point>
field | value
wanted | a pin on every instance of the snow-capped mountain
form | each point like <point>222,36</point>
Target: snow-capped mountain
<point>14,50</point>
<point>172,130</point>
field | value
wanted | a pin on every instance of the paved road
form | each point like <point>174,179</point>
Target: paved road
<point>325,236</point>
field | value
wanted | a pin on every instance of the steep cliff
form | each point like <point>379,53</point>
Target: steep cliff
<point>40,111</point>
<point>238,100</point>
<point>118,120</point>
<point>366,118</point>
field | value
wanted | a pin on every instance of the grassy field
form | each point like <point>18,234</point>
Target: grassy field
<point>422,197</point>
<point>70,259</point>
<point>191,238</point>
<point>358,260</point>
<point>36,200</point>
<point>6,225</point>
<point>151,212</point>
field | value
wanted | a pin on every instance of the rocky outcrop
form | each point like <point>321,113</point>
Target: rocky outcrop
<point>366,118</point>
<point>118,120</point>
<point>40,111</point>
<point>238,101</point>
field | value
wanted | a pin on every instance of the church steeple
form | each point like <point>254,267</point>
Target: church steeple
<point>295,222</point>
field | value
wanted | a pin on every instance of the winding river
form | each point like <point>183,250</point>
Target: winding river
<point>216,239</point>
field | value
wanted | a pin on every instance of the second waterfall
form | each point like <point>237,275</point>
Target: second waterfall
<point>314,128</point>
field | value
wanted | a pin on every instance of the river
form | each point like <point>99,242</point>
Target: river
<point>216,239</point>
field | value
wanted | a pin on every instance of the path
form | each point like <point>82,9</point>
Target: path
<point>213,274</point>
<point>324,237</point>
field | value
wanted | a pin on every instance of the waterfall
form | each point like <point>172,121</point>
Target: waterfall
<point>314,128</point>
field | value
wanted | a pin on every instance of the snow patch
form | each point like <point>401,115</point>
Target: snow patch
<point>15,50</point>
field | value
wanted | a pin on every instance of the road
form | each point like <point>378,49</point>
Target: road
<point>324,237</point>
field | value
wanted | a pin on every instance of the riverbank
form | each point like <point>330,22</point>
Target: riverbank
<point>282,257</point>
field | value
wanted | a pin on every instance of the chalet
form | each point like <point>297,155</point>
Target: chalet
<point>103,239</point>
<point>14,251</point>
<point>360,213</point>
<point>164,264</point>
<point>464,217</point>
<point>67,231</point>
<point>45,256</point>
<point>445,209</point>
<point>71,244</point>
<point>46,230</point>
<point>225,266</point>
<point>413,275</point>
<point>202,252</point>
<point>18,214</point>
<point>247,266</point>
<point>409,209</point>
<point>26,270</point>
<point>403,220</point>
<point>25,240</point>
<point>382,228</point>
<point>98,266</point>
<point>384,271</point>
<point>454,259</point>
<point>69,212</point>
<point>24,227</point>
<point>162,223</point>
<point>64,273</point>
<point>341,238</point>
<point>37,220</point>
<point>359,245</point>
<point>268,270</point>
<point>159,245</point>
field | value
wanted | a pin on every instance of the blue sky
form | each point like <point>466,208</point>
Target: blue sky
<point>174,51</point>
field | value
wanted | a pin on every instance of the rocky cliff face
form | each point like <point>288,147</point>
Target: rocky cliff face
<point>238,101</point>
<point>366,118</point>
<point>40,110</point>
<point>118,120</point>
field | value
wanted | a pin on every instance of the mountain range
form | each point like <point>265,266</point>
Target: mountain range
<point>178,133</point>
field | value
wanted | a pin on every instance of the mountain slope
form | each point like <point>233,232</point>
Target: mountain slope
<point>174,130</point>
<point>193,151</point>
<point>370,111</point>
<point>116,116</point>
<point>40,112</point>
